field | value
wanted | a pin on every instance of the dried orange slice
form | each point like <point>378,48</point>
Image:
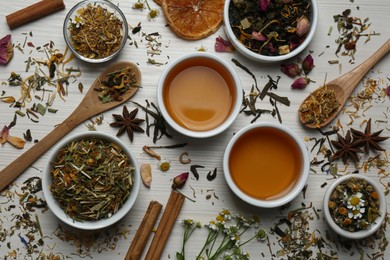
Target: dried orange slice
<point>193,19</point>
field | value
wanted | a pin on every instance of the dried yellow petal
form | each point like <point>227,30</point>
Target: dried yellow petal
<point>16,141</point>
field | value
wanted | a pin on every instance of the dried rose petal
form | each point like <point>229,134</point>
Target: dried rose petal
<point>222,45</point>
<point>264,4</point>
<point>258,36</point>
<point>388,91</point>
<point>308,64</point>
<point>290,69</point>
<point>6,49</point>
<point>300,83</point>
<point>4,134</point>
<point>180,180</point>
<point>303,26</point>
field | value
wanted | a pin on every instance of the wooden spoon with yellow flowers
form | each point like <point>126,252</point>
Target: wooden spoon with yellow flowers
<point>114,86</point>
<point>324,104</point>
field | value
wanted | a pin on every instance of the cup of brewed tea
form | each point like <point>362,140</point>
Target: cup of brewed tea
<point>266,164</point>
<point>199,95</point>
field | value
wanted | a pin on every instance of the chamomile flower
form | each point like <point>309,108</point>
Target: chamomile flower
<point>355,202</point>
<point>356,213</point>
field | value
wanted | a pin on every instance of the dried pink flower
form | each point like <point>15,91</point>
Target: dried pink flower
<point>6,49</point>
<point>258,36</point>
<point>300,83</point>
<point>264,4</point>
<point>180,180</point>
<point>308,64</point>
<point>303,25</point>
<point>222,45</point>
<point>290,69</point>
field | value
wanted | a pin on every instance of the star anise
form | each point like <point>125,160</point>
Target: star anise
<point>369,140</point>
<point>127,122</point>
<point>346,148</point>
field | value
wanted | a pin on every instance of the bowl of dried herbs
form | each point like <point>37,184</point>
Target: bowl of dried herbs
<point>91,180</point>
<point>270,30</point>
<point>355,206</point>
<point>95,31</point>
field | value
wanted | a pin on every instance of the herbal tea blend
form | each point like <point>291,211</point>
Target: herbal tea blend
<point>95,32</point>
<point>91,179</point>
<point>270,27</point>
<point>116,84</point>
<point>354,204</point>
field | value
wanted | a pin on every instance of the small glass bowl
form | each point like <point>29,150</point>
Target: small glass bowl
<point>361,233</point>
<point>241,48</point>
<point>54,205</point>
<point>110,7</point>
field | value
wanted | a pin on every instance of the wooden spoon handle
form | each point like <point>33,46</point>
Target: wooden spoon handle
<point>352,78</point>
<point>19,165</point>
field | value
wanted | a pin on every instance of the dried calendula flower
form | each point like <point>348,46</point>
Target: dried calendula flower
<point>146,174</point>
<point>6,49</point>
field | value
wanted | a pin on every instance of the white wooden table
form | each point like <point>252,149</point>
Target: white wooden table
<point>114,242</point>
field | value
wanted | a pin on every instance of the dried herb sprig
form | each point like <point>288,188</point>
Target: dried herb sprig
<point>91,179</point>
<point>159,124</point>
<point>350,29</point>
<point>249,101</point>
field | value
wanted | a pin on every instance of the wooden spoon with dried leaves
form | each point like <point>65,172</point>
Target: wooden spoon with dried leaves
<point>91,105</point>
<point>325,103</point>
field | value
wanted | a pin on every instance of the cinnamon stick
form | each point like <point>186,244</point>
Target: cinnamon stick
<point>145,229</point>
<point>168,219</point>
<point>34,12</point>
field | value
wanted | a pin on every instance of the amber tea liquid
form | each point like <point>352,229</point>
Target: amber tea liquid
<point>265,163</point>
<point>199,94</point>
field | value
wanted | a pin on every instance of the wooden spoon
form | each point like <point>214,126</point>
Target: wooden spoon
<point>89,107</point>
<point>345,84</point>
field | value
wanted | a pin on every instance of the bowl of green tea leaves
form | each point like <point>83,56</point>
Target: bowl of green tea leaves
<point>355,206</point>
<point>91,180</point>
<point>95,30</point>
<point>270,30</point>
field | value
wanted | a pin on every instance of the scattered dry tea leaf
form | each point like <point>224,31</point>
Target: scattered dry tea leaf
<point>193,19</point>
<point>146,174</point>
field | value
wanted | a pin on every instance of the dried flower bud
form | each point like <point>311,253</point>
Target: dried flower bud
<point>222,45</point>
<point>303,25</point>
<point>258,36</point>
<point>264,4</point>
<point>388,91</point>
<point>180,180</point>
<point>290,69</point>
<point>6,49</point>
<point>153,13</point>
<point>308,64</point>
<point>300,83</point>
<point>351,45</point>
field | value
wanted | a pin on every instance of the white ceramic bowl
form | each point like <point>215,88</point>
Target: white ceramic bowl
<point>264,58</point>
<point>362,233</point>
<point>53,204</point>
<point>236,104</point>
<point>294,190</point>
<point>109,6</point>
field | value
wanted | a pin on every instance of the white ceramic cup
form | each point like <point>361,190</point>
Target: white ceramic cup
<point>283,198</point>
<point>236,104</point>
